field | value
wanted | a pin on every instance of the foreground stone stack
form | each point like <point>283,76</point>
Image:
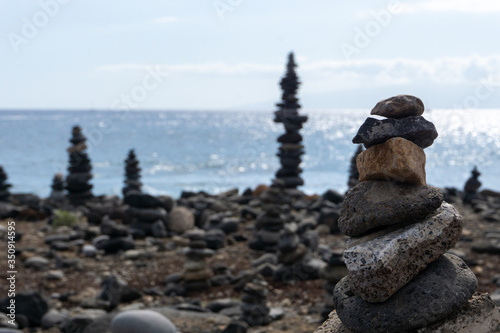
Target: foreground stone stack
<point>291,148</point>
<point>77,182</point>
<point>255,311</point>
<point>400,278</point>
<point>4,186</point>
<point>148,215</point>
<point>270,223</point>
<point>132,174</point>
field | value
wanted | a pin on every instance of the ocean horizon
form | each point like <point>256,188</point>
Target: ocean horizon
<point>219,150</point>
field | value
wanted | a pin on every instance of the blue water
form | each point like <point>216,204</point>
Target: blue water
<point>216,151</point>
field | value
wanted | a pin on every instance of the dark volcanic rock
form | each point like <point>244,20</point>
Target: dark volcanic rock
<point>142,200</point>
<point>376,203</point>
<point>415,129</point>
<point>443,287</point>
<point>399,106</point>
<point>4,186</point>
<point>30,304</point>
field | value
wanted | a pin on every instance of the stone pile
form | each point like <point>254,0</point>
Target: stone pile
<point>132,174</point>
<point>353,169</point>
<point>400,277</point>
<point>4,186</point>
<point>333,272</point>
<point>270,223</point>
<point>196,274</point>
<point>291,149</point>
<point>148,216</point>
<point>291,255</point>
<point>57,193</point>
<point>77,182</point>
<point>255,311</point>
<point>471,186</point>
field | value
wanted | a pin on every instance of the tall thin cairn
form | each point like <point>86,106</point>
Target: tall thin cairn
<point>291,148</point>
<point>4,186</point>
<point>77,182</point>
<point>132,174</point>
<point>400,277</point>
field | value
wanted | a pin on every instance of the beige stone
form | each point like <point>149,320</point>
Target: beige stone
<point>203,274</point>
<point>396,159</point>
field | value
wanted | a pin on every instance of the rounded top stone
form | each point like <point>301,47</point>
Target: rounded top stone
<point>399,106</point>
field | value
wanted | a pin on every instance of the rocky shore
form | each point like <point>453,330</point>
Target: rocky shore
<point>83,273</point>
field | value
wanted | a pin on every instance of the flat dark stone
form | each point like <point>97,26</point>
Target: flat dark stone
<point>399,106</point>
<point>443,287</point>
<point>416,129</point>
<point>376,203</point>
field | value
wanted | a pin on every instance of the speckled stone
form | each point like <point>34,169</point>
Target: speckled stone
<point>415,129</point>
<point>379,267</point>
<point>479,315</point>
<point>396,159</point>
<point>376,203</point>
<point>399,106</point>
<point>443,287</point>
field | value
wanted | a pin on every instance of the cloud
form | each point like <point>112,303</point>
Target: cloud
<point>147,25</point>
<point>341,73</point>
<point>467,6</point>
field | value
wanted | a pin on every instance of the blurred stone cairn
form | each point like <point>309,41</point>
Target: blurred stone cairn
<point>471,186</point>
<point>353,169</point>
<point>77,182</point>
<point>132,174</point>
<point>57,194</point>
<point>4,186</point>
<point>291,148</point>
<point>400,277</point>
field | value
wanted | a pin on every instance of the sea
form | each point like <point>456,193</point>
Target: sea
<point>215,151</point>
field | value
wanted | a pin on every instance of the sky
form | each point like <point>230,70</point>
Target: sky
<point>231,54</point>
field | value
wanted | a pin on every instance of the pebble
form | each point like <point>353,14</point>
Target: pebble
<point>399,106</point>
<point>141,321</point>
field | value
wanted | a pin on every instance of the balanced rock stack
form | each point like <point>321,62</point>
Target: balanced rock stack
<point>270,223</point>
<point>332,272</point>
<point>196,274</point>
<point>471,186</point>
<point>353,169</point>
<point>57,193</point>
<point>4,186</point>
<point>291,149</point>
<point>148,215</point>
<point>77,182</point>
<point>400,278</point>
<point>132,174</point>
<point>255,311</point>
<point>291,253</point>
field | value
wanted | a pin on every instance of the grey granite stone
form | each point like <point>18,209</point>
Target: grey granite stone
<point>443,287</point>
<point>375,203</point>
<point>379,267</point>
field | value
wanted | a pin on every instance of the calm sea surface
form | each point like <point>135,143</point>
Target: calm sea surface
<point>215,151</point>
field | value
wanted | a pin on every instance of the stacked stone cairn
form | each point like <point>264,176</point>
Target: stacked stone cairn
<point>291,149</point>
<point>77,182</point>
<point>196,274</point>
<point>255,311</point>
<point>353,169</point>
<point>270,223</point>
<point>400,277</point>
<point>4,186</point>
<point>332,272</point>
<point>471,186</point>
<point>132,174</point>
<point>57,193</point>
<point>292,258</point>
<point>148,216</point>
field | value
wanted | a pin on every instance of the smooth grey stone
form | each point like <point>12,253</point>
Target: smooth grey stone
<point>443,287</point>
<point>376,203</point>
<point>53,318</point>
<point>37,263</point>
<point>141,321</point>
<point>380,266</point>
<point>415,129</point>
